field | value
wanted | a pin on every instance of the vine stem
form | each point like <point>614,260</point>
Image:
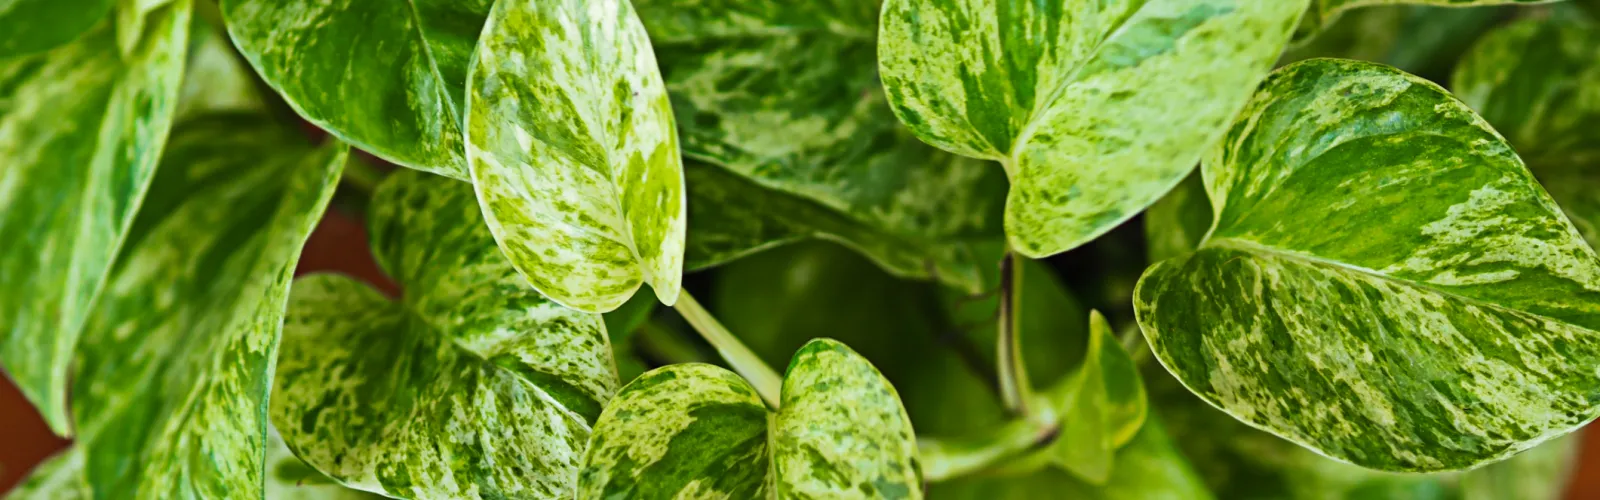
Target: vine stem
<point>1016,391</point>
<point>744,361</point>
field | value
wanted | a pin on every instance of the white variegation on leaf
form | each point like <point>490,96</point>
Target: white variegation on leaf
<point>698,431</point>
<point>574,153</point>
<point>1095,108</point>
<point>1384,282</point>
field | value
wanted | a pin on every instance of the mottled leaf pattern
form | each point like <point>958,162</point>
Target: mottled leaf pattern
<point>39,25</point>
<point>389,76</point>
<point>1456,330</point>
<point>1538,82</point>
<point>288,478</point>
<point>57,478</point>
<point>1102,406</point>
<point>472,385</point>
<point>175,364</point>
<point>1095,108</point>
<point>573,151</point>
<point>841,432</point>
<point>698,431</point>
<point>81,129</point>
<point>792,104</point>
<point>682,431</point>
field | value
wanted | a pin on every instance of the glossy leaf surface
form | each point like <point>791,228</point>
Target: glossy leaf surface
<point>574,154</point>
<point>1535,81</point>
<point>388,76</point>
<point>1094,108</point>
<point>1455,331</point>
<point>81,129</point>
<point>782,103</point>
<point>698,431</point>
<point>39,25</point>
<point>472,385</point>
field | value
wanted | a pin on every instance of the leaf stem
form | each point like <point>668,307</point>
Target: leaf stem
<point>1015,388</point>
<point>950,458</point>
<point>766,381</point>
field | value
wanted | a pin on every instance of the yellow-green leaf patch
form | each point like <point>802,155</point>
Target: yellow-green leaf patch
<point>81,129</point>
<point>1384,281</point>
<point>698,431</point>
<point>472,385</point>
<point>1095,108</point>
<point>388,76</point>
<point>573,151</point>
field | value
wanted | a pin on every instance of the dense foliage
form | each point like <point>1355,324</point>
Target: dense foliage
<point>1118,249</point>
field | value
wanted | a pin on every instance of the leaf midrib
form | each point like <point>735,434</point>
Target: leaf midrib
<point>1258,248</point>
<point>1031,127</point>
<point>433,64</point>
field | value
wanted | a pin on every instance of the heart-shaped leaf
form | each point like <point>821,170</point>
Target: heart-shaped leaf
<point>783,115</point>
<point>472,385</point>
<point>574,154</point>
<point>39,25</point>
<point>388,76</point>
<point>1095,108</point>
<point>173,371</point>
<point>1453,331</point>
<point>81,129</point>
<point>694,430</point>
<point>1535,81</point>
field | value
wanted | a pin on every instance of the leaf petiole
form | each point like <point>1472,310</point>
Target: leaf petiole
<point>1015,388</point>
<point>766,381</point>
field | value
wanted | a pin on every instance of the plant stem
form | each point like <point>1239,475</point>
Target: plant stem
<point>766,381</point>
<point>1015,388</point>
<point>949,458</point>
<point>1133,342</point>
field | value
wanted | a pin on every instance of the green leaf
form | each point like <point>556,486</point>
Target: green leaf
<point>842,431</point>
<point>39,25</point>
<point>1149,468</point>
<point>81,129</point>
<point>388,76</point>
<point>176,361</point>
<point>1418,39</point>
<point>288,478</point>
<point>215,79</point>
<point>787,115</point>
<point>379,394</point>
<point>1536,81</point>
<point>574,154</point>
<point>689,430</point>
<point>59,477</point>
<point>698,431</point>
<point>1094,108</point>
<point>1323,13</point>
<point>1451,333</point>
<point>1102,406</point>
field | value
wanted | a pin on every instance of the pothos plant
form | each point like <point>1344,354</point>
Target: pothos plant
<point>1362,265</point>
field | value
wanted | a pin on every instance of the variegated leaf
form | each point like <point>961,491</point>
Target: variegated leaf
<point>1284,320</point>
<point>81,128</point>
<point>1418,39</point>
<point>1541,473</point>
<point>1538,82</point>
<point>175,364</point>
<point>698,431</point>
<point>38,25</point>
<point>1102,406</point>
<point>573,151</point>
<point>672,21</point>
<point>214,78</point>
<point>289,478</point>
<point>472,385</point>
<point>388,76</point>
<point>1094,108</point>
<point>1323,13</point>
<point>59,477</point>
<point>682,431</point>
<point>842,431</point>
<point>794,106</point>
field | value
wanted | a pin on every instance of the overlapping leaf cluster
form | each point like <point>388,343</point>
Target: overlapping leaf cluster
<point>1368,284</point>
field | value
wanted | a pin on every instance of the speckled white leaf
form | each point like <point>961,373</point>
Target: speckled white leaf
<point>1384,282</point>
<point>1095,108</point>
<point>573,150</point>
